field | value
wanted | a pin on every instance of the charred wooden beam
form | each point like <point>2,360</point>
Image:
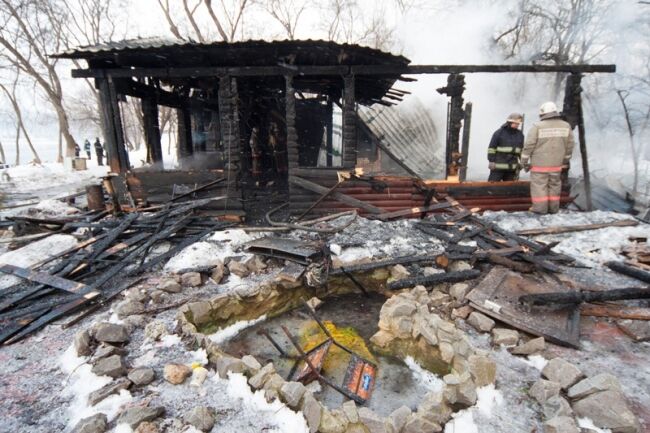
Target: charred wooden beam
<point>464,153</point>
<point>454,89</point>
<point>379,70</point>
<point>630,271</point>
<point>117,156</point>
<point>446,277</point>
<point>43,278</point>
<point>343,198</point>
<point>151,126</point>
<point>349,124</point>
<point>555,298</point>
<point>290,117</point>
<point>577,228</point>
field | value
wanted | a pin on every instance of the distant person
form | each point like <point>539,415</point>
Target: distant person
<point>77,150</point>
<point>504,150</point>
<point>99,151</point>
<point>87,148</point>
<point>548,148</point>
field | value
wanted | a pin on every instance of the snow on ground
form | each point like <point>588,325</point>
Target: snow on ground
<point>33,253</point>
<point>463,421</point>
<point>227,333</point>
<point>592,247</point>
<point>424,377</point>
<point>45,177</point>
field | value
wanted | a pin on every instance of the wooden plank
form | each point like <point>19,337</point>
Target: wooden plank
<point>497,295</point>
<point>630,271</point>
<point>43,278</point>
<point>445,277</point>
<point>616,311</point>
<point>576,228</point>
<point>343,198</point>
<point>413,211</point>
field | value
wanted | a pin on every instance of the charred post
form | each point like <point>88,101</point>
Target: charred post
<point>349,158</point>
<point>454,89</point>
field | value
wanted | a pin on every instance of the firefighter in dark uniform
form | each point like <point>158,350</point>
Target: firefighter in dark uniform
<point>505,149</point>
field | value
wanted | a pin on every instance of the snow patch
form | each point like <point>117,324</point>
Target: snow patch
<point>199,356</point>
<point>122,428</point>
<point>228,332</point>
<point>488,398</point>
<point>536,361</point>
<point>33,253</point>
<point>275,413</point>
<point>355,254</point>
<point>462,422</point>
<point>198,255</point>
<point>587,423</point>
<point>429,380</point>
<point>169,340</point>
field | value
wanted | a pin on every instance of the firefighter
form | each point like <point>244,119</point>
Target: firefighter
<point>547,150</point>
<point>99,151</point>
<point>504,150</point>
<point>87,148</point>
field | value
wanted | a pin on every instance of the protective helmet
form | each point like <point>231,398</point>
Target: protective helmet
<point>547,108</point>
<point>515,118</point>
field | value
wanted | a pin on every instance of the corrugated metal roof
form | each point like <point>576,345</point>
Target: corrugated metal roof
<point>408,131</point>
<point>164,43</point>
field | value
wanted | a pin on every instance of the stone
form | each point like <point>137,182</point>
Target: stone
<point>104,350</point>
<point>438,298</point>
<point>97,423</point>
<point>176,373</point>
<point>435,408</point>
<point>201,417</point>
<point>255,264</point>
<point>458,291</point>
<point>107,390</point>
<point>229,364</point>
<point>482,369</point>
<point>147,427</point>
<point>312,410</point>
<point>141,376</point>
<point>446,351</point>
<point>480,321</point>
<point>504,337</point>
<point>399,417</point>
<point>428,332</point>
<point>459,265</point>
<point>238,268</point>
<point>402,327</point>
<point>199,374</point>
<point>111,333</point>
<point>428,271</point>
<point>257,381</point>
<point>273,383</point>
<point>417,423</point>
<point>133,416</point>
<point>200,312</point>
<point>543,389</point>
<point>112,366</point>
<point>134,321</point>
<point>530,347</point>
<point>608,410</point>
<point>82,343</point>
<point>350,410</point>
<point>373,422</point>
<point>314,303</point>
<point>562,372</point>
<point>251,365</point>
<point>218,272</point>
<point>561,424</point>
<point>462,312</point>
<point>155,329</point>
<point>556,406</point>
<point>460,390</point>
<point>600,382</point>
<point>136,294</point>
<point>129,308</point>
<point>170,286</point>
<point>399,272</point>
<point>382,338</point>
<point>401,307</point>
<point>332,422</point>
<point>191,279</point>
<point>158,296</point>
<point>292,392</point>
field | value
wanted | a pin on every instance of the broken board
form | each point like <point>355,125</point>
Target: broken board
<point>303,373</point>
<point>290,249</point>
<point>497,295</point>
<point>638,330</point>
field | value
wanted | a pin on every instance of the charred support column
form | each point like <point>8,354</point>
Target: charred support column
<point>185,149</point>
<point>229,121</point>
<point>464,157</point>
<point>454,89</point>
<point>152,131</point>
<point>572,111</point>
<point>349,157</point>
<point>290,115</point>
<point>329,132</point>
<point>118,158</point>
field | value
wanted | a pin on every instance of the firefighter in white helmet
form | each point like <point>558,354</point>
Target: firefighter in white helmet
<point>547,150</point>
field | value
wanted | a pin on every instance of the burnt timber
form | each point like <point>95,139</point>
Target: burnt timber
<point>259,114</point>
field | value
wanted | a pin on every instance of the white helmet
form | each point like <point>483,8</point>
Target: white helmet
<point>547,108</point>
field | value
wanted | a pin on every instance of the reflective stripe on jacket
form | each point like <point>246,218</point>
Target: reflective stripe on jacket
<point>505,148</point>
<point>549,145</point>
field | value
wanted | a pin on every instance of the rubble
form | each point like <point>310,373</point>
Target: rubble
<point>134,416</point>
<point>480,321</point>
<point>562,372</point>
<point>504,337</point>
<point>530,347</point>
<point>608,410</point>
<point>97,423</point>
<point>176,373</point>
<point>141,376</point>
<point>202,418</point>
<point>112,366</point>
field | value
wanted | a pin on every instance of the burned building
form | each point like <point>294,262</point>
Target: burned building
<point>261,124</point>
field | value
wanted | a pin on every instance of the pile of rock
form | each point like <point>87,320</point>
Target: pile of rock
<point>564,393</point>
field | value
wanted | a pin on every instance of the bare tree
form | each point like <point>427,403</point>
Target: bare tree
<point>287,13</point>
<point>20,124</point>
<point>633,127</point>
<point>29,30</point>
<point>347,21</point>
